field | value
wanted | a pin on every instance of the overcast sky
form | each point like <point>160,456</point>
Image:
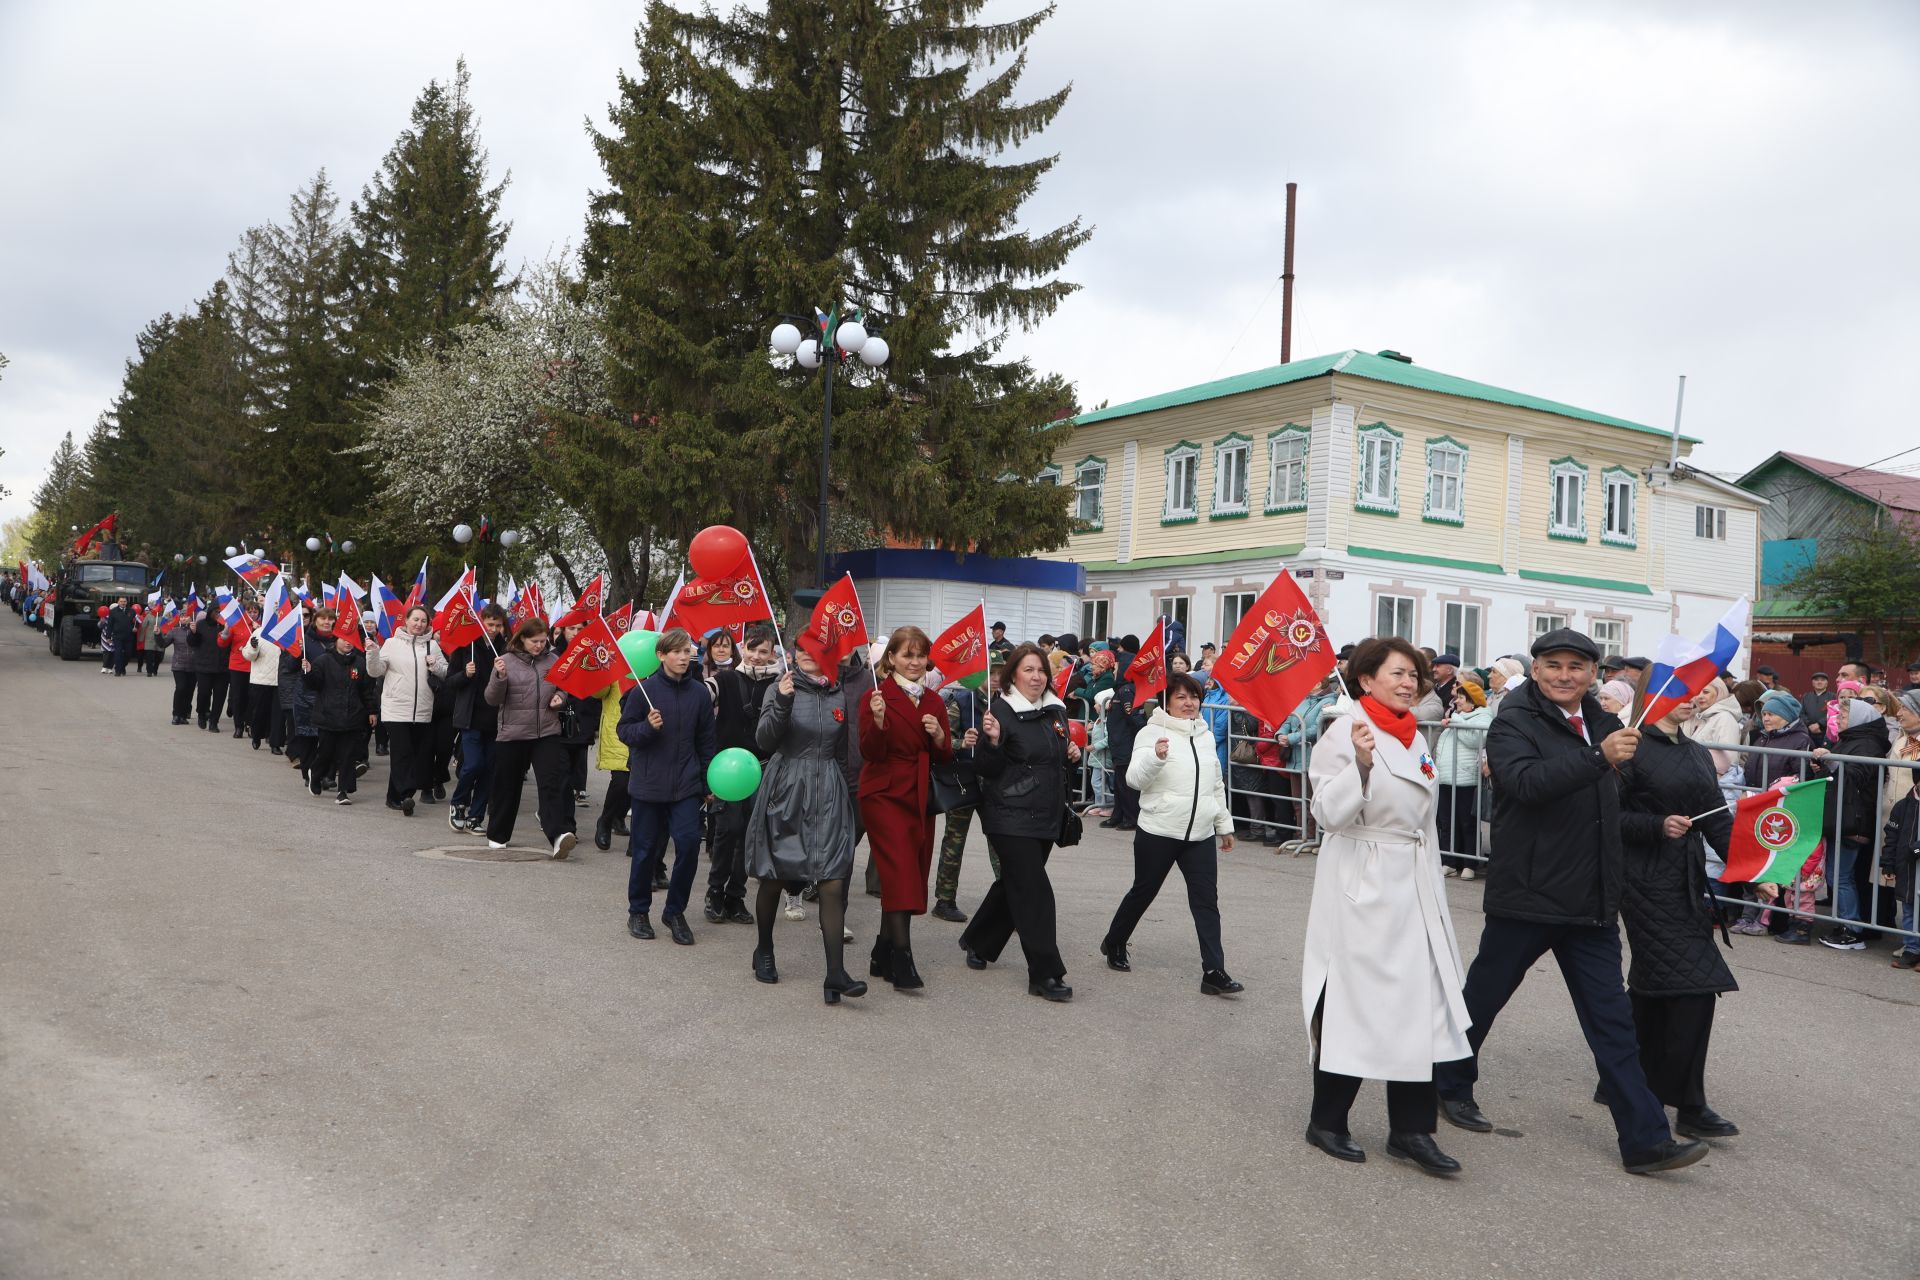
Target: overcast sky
<point>1576,201</point>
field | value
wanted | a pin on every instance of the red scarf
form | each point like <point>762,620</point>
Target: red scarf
<point>1397,724</point>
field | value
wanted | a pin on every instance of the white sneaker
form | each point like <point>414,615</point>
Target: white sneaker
<point>1467,873</point>
<point>794,910</point>
<point>846,934</point>
<point>496,844</point>
<point>564,845</point>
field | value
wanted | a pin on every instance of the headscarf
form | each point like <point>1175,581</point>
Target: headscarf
<point>1102,660</point>
<point>1620,691</point>
<point>1860,711</point>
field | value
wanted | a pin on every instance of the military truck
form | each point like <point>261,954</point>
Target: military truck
<point>73,624</point>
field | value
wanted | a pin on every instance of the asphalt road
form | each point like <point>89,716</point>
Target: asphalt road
<point>245,1033</point>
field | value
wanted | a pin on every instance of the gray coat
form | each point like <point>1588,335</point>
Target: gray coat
<point>522,697</point>
<point>803,825</point>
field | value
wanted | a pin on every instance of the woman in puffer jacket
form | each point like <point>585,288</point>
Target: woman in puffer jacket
<point>263,685</point>
<point>1183,816</point>
<point>528,737</point>
<point>411,662</point>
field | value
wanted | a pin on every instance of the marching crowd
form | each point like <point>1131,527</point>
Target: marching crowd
<point>1402,768</point>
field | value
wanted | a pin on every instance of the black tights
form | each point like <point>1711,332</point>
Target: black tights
<point>894,927</point>
<point>833,919</point>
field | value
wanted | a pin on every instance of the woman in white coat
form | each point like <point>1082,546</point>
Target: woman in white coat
<point>1381,984</point>
<point>1183,811</point>
<point>411,661</point>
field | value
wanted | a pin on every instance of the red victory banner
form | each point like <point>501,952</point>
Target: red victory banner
<point>591,663</point>
<point>960,654</point>
<point>1277,654</point>
<point>106,526</point>
<point>530,605</point>
<point>836,628</point>
<point>1061,679</point>
<point>621,620</point>
<point>347,625</point>
<point>730,602</point>
<point>1148,670</point>
<point>587,607</point>
<point>456,624</point>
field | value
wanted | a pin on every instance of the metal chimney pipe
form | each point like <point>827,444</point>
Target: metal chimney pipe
<point>1286,284</point>
<point>1673,453</point>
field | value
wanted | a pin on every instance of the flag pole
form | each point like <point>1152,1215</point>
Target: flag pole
<point>1709,813</point>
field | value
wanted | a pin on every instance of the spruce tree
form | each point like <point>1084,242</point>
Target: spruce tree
<point>765,162</point>
<point>427,236</point>
<point>57,504</point>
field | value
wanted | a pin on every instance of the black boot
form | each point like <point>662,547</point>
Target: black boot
<point>880,962</point>
<point>602,833</point>
<point>620,824</point>
<point>904,976</point>
<point>763,966</point>
<point>839,984</point>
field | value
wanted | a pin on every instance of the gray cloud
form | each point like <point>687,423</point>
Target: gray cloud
<point>1575,201</point>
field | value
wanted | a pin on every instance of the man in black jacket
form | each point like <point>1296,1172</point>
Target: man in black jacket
<point>209,671</point>
<point>120,629</point>
<point>476,722</point>
<point>1553,884</point>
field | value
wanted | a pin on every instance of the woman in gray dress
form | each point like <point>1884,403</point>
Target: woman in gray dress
<point>802,828</point>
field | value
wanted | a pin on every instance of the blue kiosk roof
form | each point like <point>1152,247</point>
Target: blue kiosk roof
<point>947,566</point>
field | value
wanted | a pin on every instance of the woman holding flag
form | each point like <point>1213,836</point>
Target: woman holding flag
<point>528,735</point>
<point>412,664</point>
<point>1669,797</point>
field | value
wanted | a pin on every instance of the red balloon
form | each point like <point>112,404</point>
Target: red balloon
<point>717,550</point>
<point>1077,731</point>
<point>102,611</point>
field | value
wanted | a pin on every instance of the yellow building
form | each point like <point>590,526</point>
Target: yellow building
<point>1409,502</point>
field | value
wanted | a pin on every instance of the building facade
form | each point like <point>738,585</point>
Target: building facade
<point>1409,502</point>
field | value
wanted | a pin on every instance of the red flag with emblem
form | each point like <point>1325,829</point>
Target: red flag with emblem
<point>1148,670</point>
<point>1277,654</point>
<point>347,625</point>
<point>961,651</point>
<point>457,624</point>
<point>621,620</point>
<point>731,602</point>
<point>530,605</point>
<point>837,626</point>
<point>106,526</point>
<point>591,663</point>
<point>587,607</point>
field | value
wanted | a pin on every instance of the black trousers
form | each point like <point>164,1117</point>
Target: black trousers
<point>1459,822</point>
<point>548,759</point>
<point>183,683</point>
<point>209,697</point>
<point>727,879</point>
<point>407,757</point>
<point>1589,959</point>
<point>577,766</point>
<point>333,756</point>
<point>1154,857</point>
<point>282,727</point>
<point>263,711</point>
<point>1126,800</point>
<point>1021,899</point>
<point>1674,1031</point>
<point>239,697</point>
<point>1412,1105</point>
<point>440,741</point>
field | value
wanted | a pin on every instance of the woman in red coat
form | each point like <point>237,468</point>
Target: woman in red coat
<point>903,728</point>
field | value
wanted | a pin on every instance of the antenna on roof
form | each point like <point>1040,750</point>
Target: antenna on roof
<point>1673,454</point>
<point>1286,284</point>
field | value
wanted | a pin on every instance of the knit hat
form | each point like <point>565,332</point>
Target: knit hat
<point>1620,691</point>
<point>1780,703</point>
<point>1474,693</point>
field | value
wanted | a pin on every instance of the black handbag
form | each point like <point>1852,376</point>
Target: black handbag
<point>1070,828</point>
<point>948,788</point>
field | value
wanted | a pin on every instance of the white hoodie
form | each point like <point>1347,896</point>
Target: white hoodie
<point>1182,797</point>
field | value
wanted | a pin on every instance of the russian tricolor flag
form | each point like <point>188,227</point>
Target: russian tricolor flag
<point>229,607</point>
<point>286,630</point>
<point>418,595</point>
<point>1682,668</point>
<point>386,608</point>
<point>252,568</point>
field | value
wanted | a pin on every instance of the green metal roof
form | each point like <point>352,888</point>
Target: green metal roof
<point>1361,364</point>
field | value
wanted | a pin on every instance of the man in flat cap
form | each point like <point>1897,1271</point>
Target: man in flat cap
<point>1553,884</point>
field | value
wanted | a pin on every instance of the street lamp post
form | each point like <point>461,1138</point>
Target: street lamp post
<point>838,339</point>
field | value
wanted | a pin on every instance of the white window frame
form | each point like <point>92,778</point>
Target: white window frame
<point>1715,520</point>
<point>1387,600</point>
<point>1379,449</point>
<point>1175,609</point>
<point>1096,619</point>
<point>1545,622</point>
<point>1097,487</point>
<point>1610,634</point>
<point>1049,474</point>
<point>1619,521</point>
<point>1293,497</point>
<point>1438,510</point>
<point>1575,473</point>
<point>1183,460</point>
<point>1229,452</point>
<point>1456,635</point>
<point>1229,618</point>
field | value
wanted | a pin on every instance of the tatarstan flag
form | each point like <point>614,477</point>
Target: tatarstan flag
<point>1775,831</point>
<point>960,653</point>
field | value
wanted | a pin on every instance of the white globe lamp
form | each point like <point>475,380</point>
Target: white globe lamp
<point>874,352</point>
<point>808,354</point>
<point>463,534</point>
<point>313,544</point>
<point>851,336</point>
<point>509,537</point>
<point>786,338</point>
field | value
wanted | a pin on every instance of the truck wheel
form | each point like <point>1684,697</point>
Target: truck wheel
<point>70,639</point>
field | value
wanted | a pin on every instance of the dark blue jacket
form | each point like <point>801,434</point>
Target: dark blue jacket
<point>668,763</point>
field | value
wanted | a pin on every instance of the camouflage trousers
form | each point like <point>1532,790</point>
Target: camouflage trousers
<point>946,881</point>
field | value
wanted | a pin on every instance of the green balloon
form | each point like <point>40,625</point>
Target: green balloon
<point>734,774</point>
<point>639,648</point>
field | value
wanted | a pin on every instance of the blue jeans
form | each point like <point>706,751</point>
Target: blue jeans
<point>651,824</point>
<point>476,772</point>
<point>1846,894</point>
<point>1910,945</point>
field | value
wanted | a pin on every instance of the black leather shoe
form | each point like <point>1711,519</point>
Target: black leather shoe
<point>238,732</point>
<point>1215,982</point>
<point>406,806</point>
<point>735,912</point>
<point>256,744</point>
<point>904,976</point>
<point>1110,822</point>
<point>763,967</point>
<point>396,806</point>
<point>1116,956</point>
<point>1703,1122</point>
<point>839,984</point>
<point>439,793</point>
<point>640,927</point>
<point>947,909</point>
<point>1465,1115</point>
<point>974,958</point>
<point>1420,1148</point>
<point>379,748</point>
<point>602,834</point>
<point>276,750</point>
<point>620,825</point>
<point>1051,989</point>
<point>1671,1154</point>
<point>677,929</point>
<point>1340,1146</point>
